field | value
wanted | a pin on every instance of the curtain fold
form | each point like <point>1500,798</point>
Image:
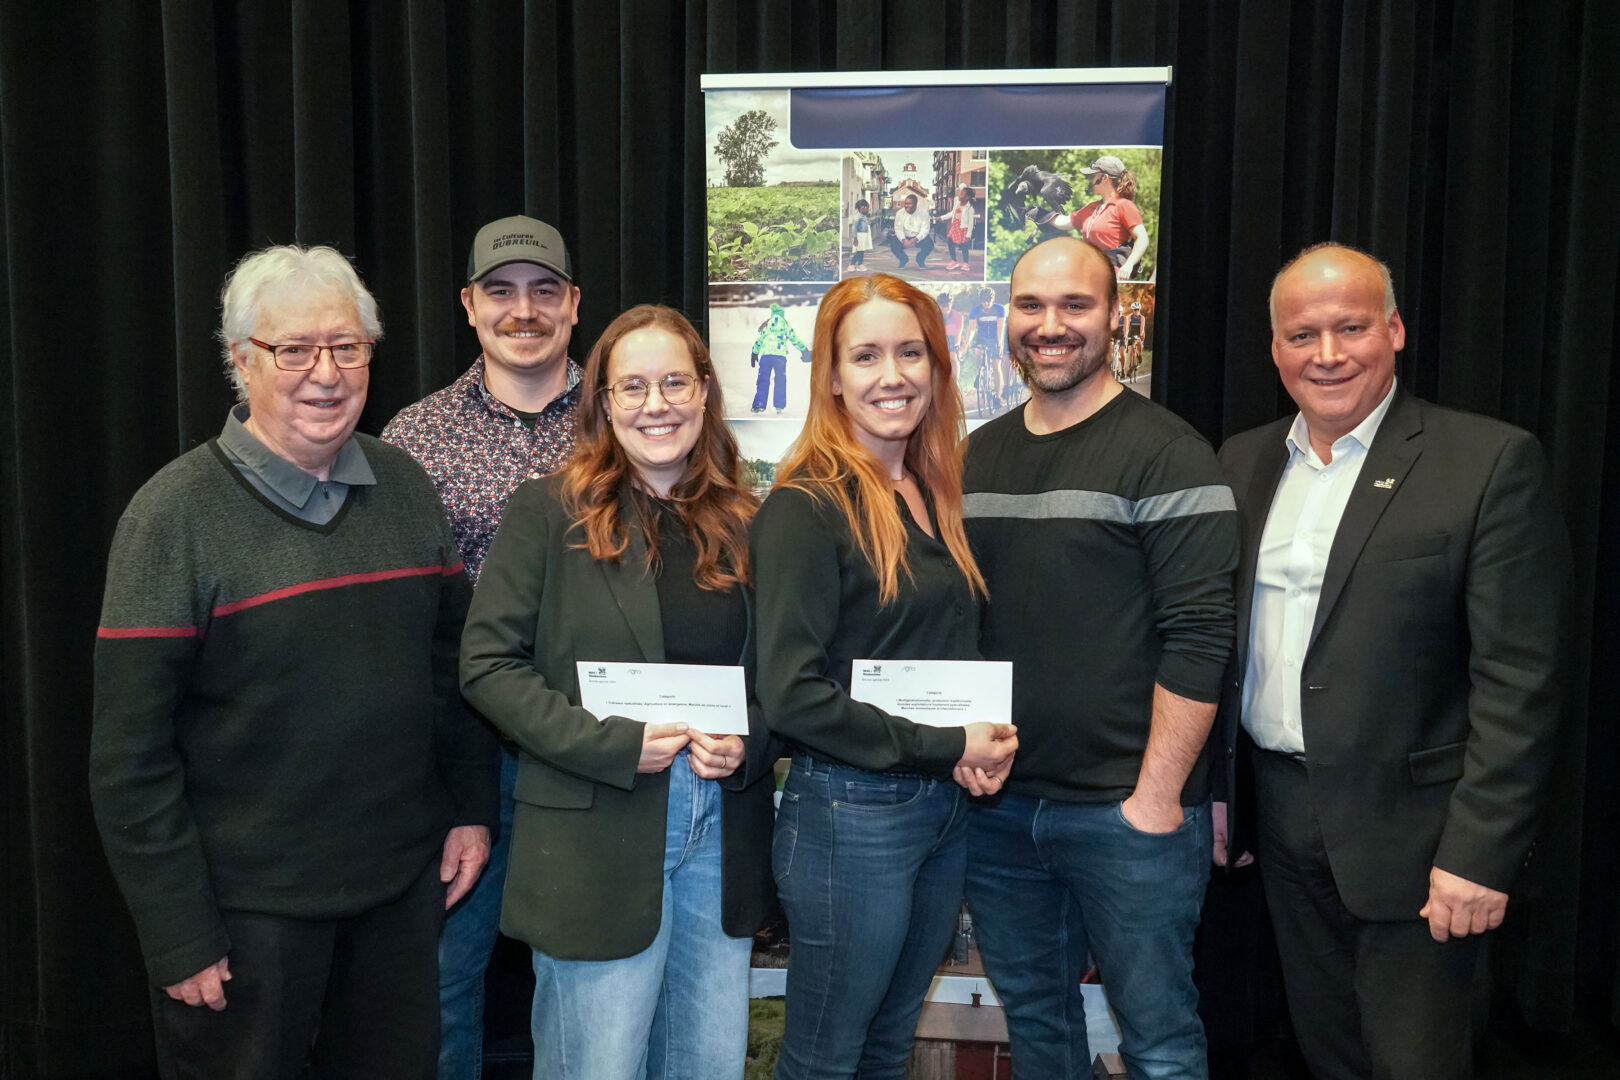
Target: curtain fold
<point>144,148</point>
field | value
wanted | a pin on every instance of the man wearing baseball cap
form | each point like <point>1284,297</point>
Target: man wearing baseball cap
<point>507,419</point>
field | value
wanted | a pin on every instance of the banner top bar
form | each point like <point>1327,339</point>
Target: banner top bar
<point>816,80</point>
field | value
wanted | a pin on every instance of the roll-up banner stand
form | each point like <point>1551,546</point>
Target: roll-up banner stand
<point>817,177</point>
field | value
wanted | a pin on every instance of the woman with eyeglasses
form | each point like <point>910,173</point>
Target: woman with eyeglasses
<point>860,554</point>
<point>639,868</point>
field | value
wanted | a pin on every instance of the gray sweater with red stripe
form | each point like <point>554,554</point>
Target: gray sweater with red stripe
<point>277,722</point>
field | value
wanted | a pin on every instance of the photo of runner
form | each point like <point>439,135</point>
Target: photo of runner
<point>1107,195</point>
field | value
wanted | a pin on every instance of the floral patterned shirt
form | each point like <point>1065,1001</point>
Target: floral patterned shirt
<point>477,450</point>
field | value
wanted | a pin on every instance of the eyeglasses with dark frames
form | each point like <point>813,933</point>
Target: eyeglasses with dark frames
<point>677,388</point>
<point>301,356</point>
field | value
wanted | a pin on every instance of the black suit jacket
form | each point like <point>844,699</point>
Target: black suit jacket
<point>585,877</point>
<point>1430,691</point>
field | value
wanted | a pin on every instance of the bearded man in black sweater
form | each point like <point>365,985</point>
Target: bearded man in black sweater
<point>288,787</point>
<point>1108,538</point>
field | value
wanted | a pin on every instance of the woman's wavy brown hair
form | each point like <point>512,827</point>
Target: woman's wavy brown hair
<point>828,461</point>
<point>709,498</point>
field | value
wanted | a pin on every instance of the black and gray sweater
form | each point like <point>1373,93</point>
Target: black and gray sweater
<point>277,722</point>
<point>1108,548</point>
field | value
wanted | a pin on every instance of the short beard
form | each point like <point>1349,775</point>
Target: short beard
<point>1091,357</point>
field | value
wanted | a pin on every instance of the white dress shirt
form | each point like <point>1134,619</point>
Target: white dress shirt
<point>912,224</point>
<point>1294,546</point>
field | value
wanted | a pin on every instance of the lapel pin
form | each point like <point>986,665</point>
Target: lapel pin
<point>1385,484</point>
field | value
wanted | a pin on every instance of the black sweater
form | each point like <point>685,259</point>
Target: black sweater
<point>818,611</point>
<point>1108,548</point>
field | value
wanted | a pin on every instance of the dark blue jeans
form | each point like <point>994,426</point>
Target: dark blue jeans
<point>1047,881</point>
<point>465,944</point>
<point>921,252</point>
<point>869,867</point>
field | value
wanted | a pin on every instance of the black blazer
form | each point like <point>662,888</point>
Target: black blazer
<point>1430,687</point>
<point>585,877</point>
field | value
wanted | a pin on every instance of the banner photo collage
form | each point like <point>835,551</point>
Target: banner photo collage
<point>816,178</point>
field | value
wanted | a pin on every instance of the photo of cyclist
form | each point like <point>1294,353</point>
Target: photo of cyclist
<point>986,332</point>
<point>1135,334</point>
<point>954,321</point>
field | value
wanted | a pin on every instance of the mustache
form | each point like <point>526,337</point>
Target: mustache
<point>543,325</point>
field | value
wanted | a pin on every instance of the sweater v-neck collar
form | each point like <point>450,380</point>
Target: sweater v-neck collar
<point>246,485</point>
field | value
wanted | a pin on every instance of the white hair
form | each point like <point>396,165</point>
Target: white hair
<point>1383,274</point>
<point>274,269</point>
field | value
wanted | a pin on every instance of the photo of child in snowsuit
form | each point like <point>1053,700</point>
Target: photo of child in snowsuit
<point>770,356</point>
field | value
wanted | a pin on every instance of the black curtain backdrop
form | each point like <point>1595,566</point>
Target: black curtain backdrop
<point>145,146</point>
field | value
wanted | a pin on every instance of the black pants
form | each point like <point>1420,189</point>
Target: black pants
<point>1368,999</point>
<point>356,997</point>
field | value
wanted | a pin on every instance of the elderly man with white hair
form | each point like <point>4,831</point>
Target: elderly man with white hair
<point>289,789</point>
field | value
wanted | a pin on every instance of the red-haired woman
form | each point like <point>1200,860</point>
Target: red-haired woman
<point>859,553</point>
<point>639,866</point>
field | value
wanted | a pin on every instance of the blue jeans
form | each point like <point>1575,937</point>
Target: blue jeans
<point>465,944</point>
<point>1048,880</point>
<point>677,1010</point>
<point>869,868</point>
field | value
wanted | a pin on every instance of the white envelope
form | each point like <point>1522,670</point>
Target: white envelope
<point>711,698</point>
<point>939,693</point>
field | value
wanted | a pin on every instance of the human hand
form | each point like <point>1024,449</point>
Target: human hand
<point>988,748</point>
<point>715,757</point>
<point>466,850</point>
<point>978,782</point>
<point>1160,816</point>
<point>204,988</point>
<point>1458,907</point>
<point>753,359</point>
<point>659,745</point>
<point>1219,854</point>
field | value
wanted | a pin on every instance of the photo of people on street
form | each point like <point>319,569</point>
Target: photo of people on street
<point>917,215</point>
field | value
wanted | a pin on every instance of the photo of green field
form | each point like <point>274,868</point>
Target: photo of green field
<point>788,232</point>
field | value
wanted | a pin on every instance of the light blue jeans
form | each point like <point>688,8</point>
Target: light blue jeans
<point>1050,881</point>
<point>465,944</point>
<point>677,1010</point>
<point>869,867</point>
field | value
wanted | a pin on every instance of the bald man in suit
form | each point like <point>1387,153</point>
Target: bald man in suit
<point>1401,600</point>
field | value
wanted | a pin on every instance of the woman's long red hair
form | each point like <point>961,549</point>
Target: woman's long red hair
<point>711,501</point>
<point>828,461</point>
